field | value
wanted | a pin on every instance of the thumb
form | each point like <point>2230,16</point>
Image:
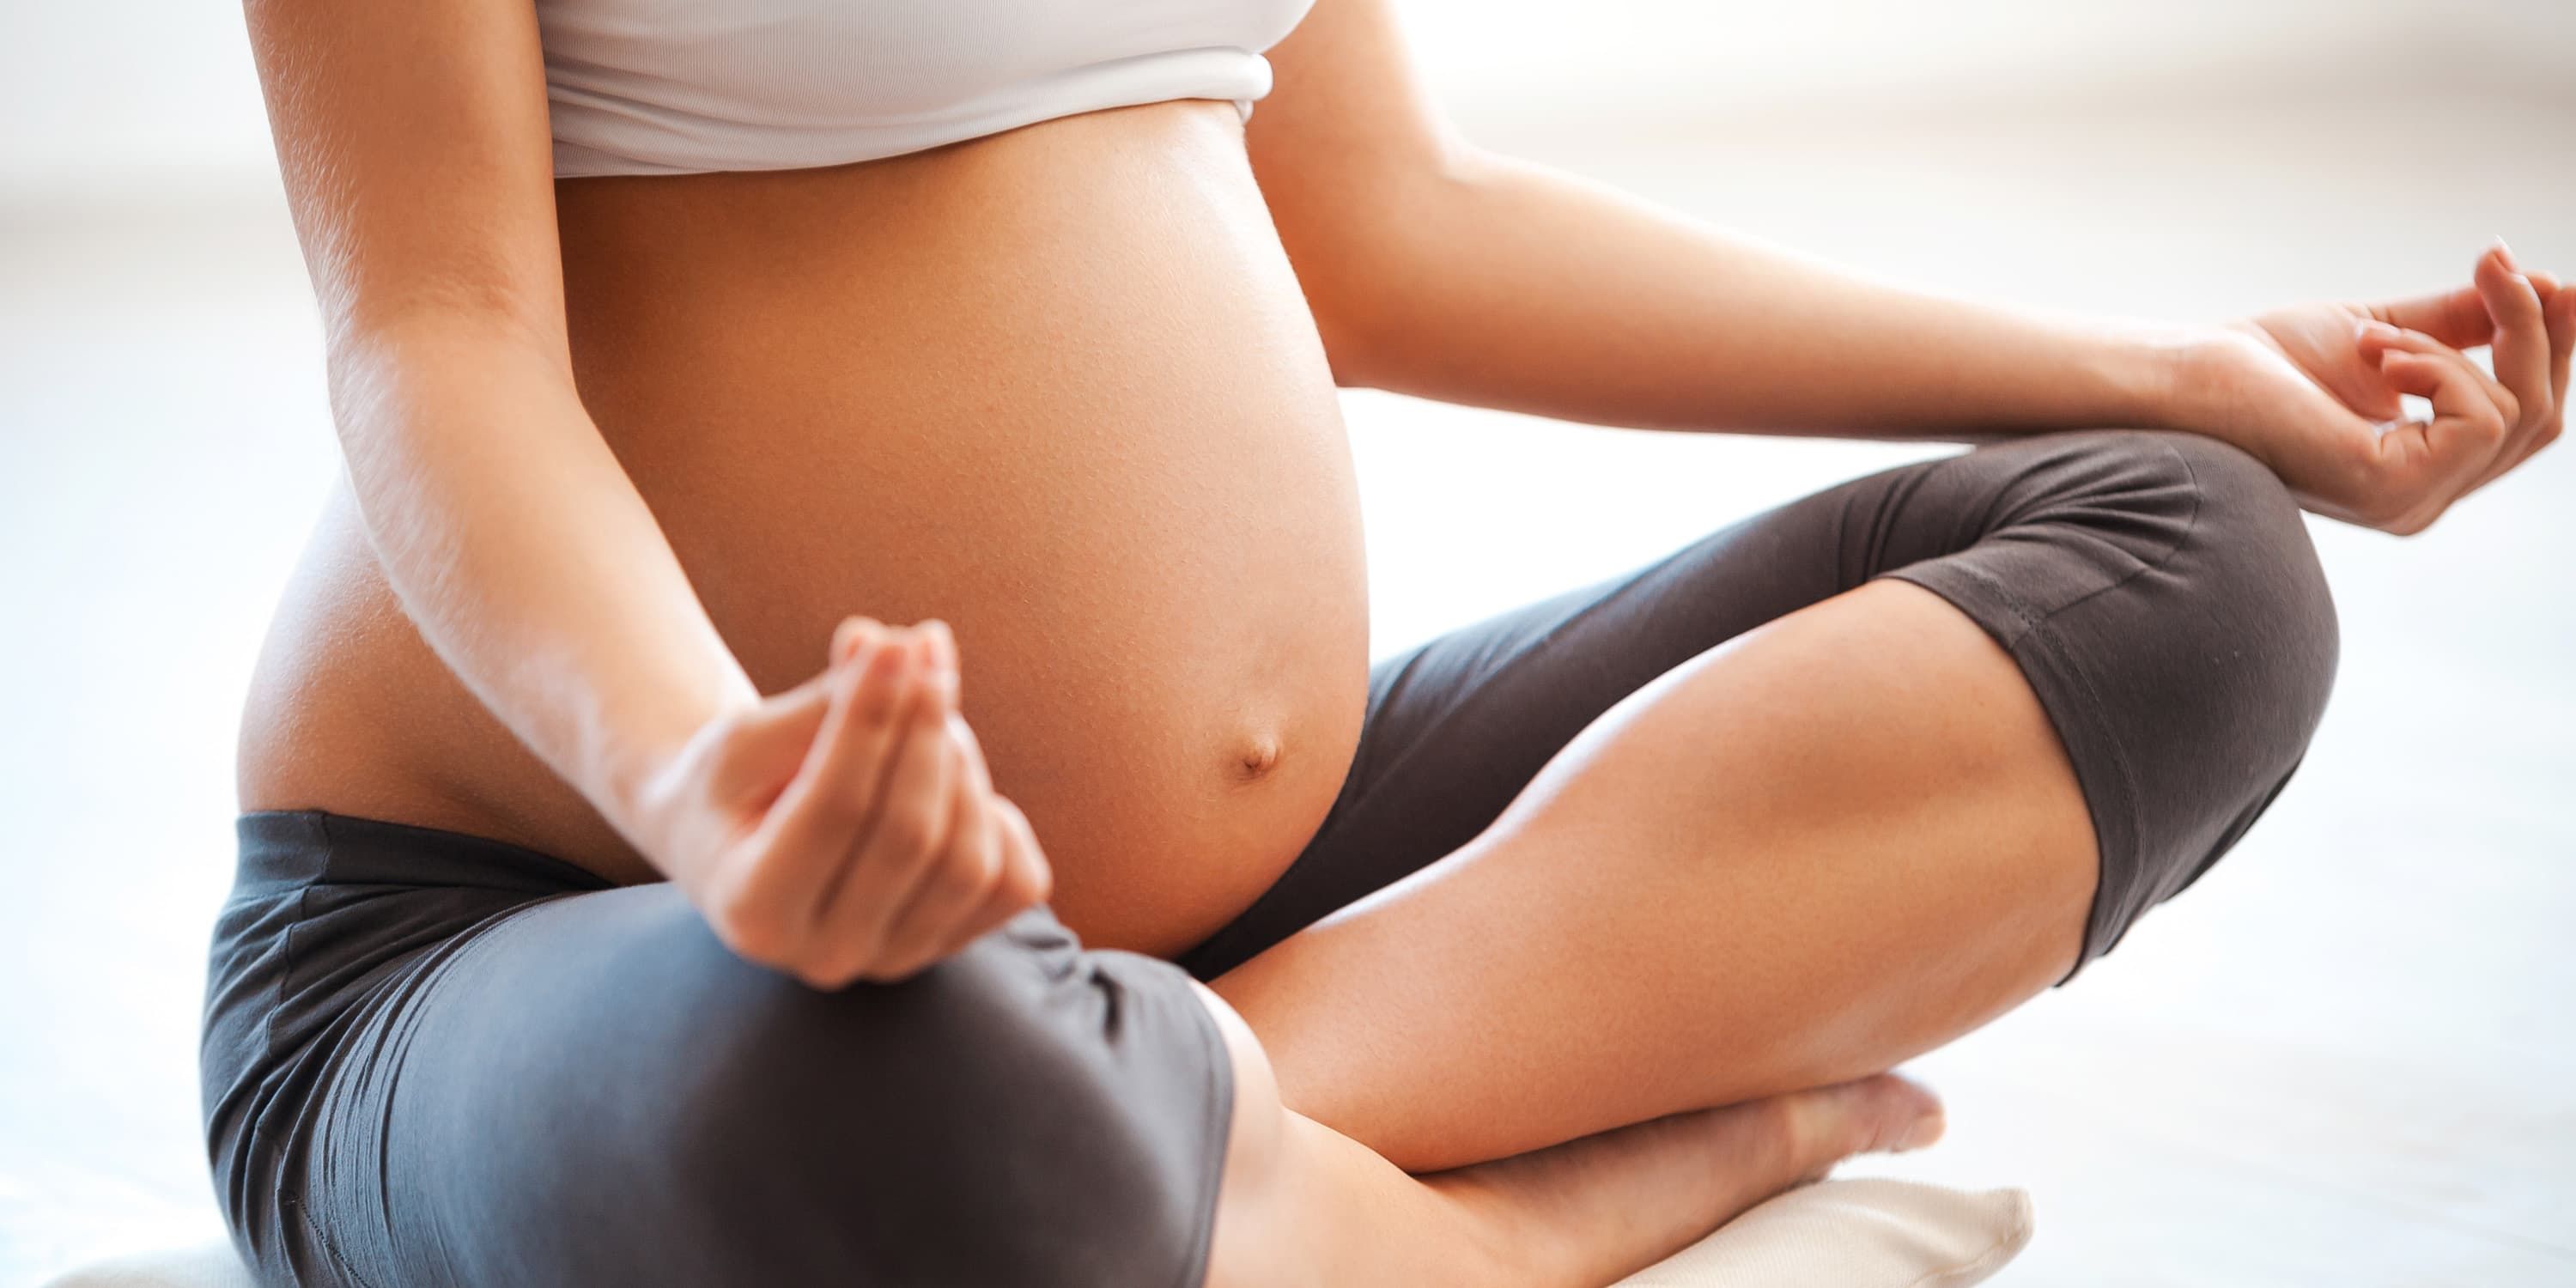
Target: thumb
<point>761,750</point>
<point>792,715</point>
<point>796,714</point>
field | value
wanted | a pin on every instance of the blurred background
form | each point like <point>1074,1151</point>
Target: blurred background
<point>2345,1058</point>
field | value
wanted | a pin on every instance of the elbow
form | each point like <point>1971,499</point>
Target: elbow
<point>1372,264</point>
<point>437,341</point>
<point>1350,352</point>
<point>444,314</point>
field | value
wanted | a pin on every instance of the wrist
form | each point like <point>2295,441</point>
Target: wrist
<point>2156,379</point>
<point>2211,375</point>
<point>644,796</point>
<point>649,780</point>
<point>2193,379</point>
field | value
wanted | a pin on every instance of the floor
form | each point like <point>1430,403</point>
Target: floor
<point>2345,1058</point>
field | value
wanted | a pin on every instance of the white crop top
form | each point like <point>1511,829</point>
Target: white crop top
<point>687,86</point>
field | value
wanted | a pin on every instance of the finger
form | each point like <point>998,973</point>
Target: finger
<point>2378,340</point>
<point>1024,881</point>
<point>1032,881</point>
<point>811,829</point>
<point>945,641</point>
<point>852,633</point>
<point>906,827</point>
<point>2428,464</point>
<point>2521,341</point>
<point>2560,308</point>
<point>2521,355</point>
<point>1019,870</point>
<point>796,714</point>
<point>789,708</point>
<point>2562,341</point>
<point>824,809</point>
<point>2456,317</point>
<point>959,879</point>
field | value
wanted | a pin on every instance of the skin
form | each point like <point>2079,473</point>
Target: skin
<point>1876,859</point>
<point>625,456</point>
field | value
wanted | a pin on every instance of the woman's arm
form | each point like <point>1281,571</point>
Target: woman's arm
<point>417,160</point>
<point>414,143</point>
<point>1438,269</point>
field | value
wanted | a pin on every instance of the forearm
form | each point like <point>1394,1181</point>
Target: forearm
<point>1496,283</point>
<point>525,556</point>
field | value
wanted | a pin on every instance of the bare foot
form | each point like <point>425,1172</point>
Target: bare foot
<point>1302,1205</point>
<point>1590,1211</point>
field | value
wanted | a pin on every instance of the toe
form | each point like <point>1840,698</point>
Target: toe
<point>1881,1113</point>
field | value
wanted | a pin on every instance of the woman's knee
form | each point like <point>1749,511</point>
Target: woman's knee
<point>2191,672</point>
<point>1021,1112</point>
<point>2160,593</point>
<point>2251,591</point>
<point>2183,555</point>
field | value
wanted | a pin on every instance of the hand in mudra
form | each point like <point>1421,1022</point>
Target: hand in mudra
<point>847,829</point>
<point>2313,390</point>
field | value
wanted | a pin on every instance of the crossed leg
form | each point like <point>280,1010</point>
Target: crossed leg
<point>1882,860</point>
<point>1816,847</point>
<point>1747,823</point>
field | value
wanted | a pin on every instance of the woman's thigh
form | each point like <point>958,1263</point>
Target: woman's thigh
<point>1456,727</point>
<point>590,1090</point>
<point>1876,818</point>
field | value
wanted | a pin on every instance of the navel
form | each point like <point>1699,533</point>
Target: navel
<point>1255,758</point>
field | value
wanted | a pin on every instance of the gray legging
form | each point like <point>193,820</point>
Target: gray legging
<point>432,1059</point>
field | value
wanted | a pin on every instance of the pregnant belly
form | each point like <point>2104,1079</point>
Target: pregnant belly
<point>1057,387</point>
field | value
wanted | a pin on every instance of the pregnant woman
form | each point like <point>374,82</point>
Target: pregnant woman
<point>624,900</point>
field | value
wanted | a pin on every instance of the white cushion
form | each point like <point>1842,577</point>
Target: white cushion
<point>1855,1234</point>
<point>1837,1234</point>
<point>208,1265</point>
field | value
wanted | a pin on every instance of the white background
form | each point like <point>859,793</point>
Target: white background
<point>120,94</point>
<point>2342,1059</point>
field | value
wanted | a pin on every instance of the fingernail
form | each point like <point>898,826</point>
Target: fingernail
<point>888,659</point>
<point>938,690</point>
<point>948,648</point>
<point>2504,253</point>
<point>937,666</point>
<point>1925,1130</point>
<point>859,635</point>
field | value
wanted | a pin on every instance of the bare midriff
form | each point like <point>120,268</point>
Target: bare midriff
<point>1057,387</point>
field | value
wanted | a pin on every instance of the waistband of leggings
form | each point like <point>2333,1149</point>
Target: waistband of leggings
<point>285,849</point>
